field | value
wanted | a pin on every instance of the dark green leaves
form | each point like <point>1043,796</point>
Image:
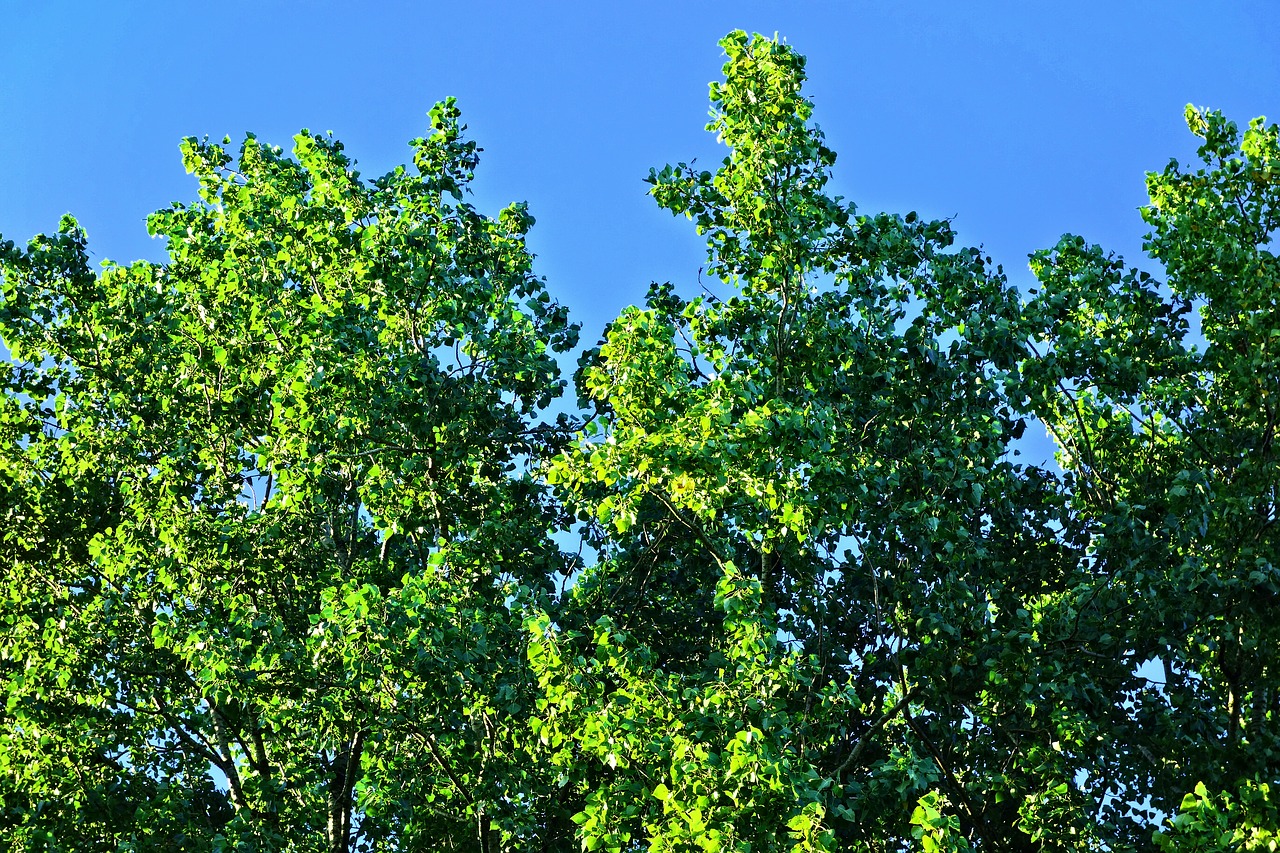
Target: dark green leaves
<point>264,510</point>
<point>281,519</point>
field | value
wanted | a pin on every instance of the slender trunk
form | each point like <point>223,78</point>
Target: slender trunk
<point>343,772</point>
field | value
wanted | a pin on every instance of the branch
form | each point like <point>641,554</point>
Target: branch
<point>875,727</point>
<point>444,766</point>
<point>696,528</point>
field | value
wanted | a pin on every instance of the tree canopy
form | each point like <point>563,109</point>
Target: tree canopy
<point>302,552</point>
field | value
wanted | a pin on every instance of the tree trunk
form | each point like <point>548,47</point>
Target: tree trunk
<point>342,779</point>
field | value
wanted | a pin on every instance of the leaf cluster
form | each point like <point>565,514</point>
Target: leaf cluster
<point>287,520</point>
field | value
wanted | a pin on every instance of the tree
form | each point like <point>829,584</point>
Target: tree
<point>1173,471</point>
<point>263,507</point>
<point>828,447</point>
<point>284,517</point>
<point>917,637</point>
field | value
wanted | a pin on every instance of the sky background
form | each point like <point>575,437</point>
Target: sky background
<point>1021,120</point>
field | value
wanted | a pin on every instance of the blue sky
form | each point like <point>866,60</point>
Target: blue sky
<point>1021,120</point>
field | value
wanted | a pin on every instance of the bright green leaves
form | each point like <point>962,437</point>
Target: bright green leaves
<point>1112,340</point>
<point>936,832</point>
<point>706,760</point>
<point>264,510</point>
<point>1218,219</point>
<point>640,373</point>
<point>764,209</point>
<point>1167,438</point>
<point>446,158</point>
<point>1246,820</point>
<point>835,427</point>
<point>280,520</point>
<point>1213,230</point>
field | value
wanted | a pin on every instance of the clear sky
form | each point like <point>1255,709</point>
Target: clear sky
<point>1022,120</point>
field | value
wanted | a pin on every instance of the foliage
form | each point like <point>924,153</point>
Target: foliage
<point>1173,469</point>
<point>1247,821</point>
<point>283,519</point>
<point>836,424</point>
<point>264,506</point>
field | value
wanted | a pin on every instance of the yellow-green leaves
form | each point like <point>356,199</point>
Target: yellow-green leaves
<point>1246,820</point>
<point>281,519</point>
<point>937,832</point>
<point>1160,395</point>
<point>764,210</point>
<point>822,439</point>
<point>706,759</point>
<point>265,526</point>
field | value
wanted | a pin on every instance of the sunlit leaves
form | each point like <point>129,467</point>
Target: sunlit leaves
<point>281,519</point>
<point>1161,397</point>
<point>266,505</point>
<point>831,421</point>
